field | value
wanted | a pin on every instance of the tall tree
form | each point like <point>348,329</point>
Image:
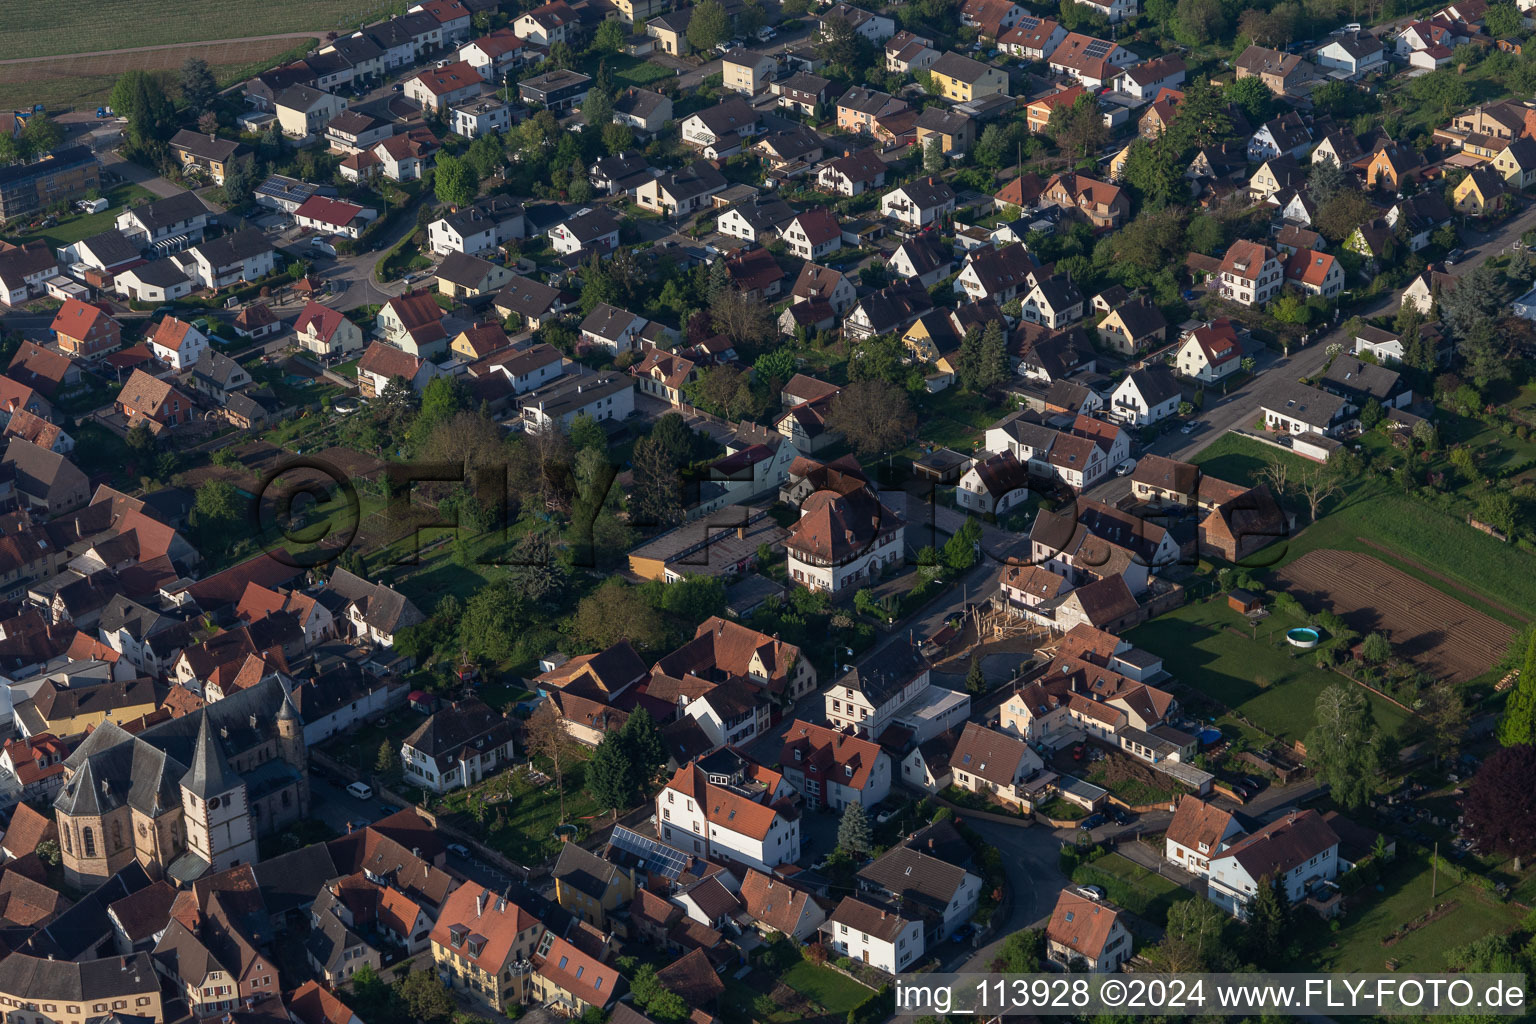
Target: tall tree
<point>1202,119</point>
<point>839,42</point>
<point>933,155</point>
<point>656,496</point>
<point>455,182</point>
<point>1252,97</point>
<point>1078,128</point>
<point>609,774</point>
<point>708,25</point>
<point>853,831</point>
<point>1500,805</point>
<point>41,136</point>
<point>1343,745</point>
<point>546,736</point>
<point>614,612</point>
<point>1445,719</point>
<point>872,414</point>
<point>198,88</point>
<point>647,751</point>
<point>1269,918</point>
<point>743,318</point>
<point>1517,726</point>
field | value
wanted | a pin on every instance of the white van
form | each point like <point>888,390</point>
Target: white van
<point>361,790</point>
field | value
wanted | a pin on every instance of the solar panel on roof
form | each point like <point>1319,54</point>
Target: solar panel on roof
<point>659,858</point>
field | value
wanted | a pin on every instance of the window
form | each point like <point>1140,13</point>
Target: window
<point>88,841</point>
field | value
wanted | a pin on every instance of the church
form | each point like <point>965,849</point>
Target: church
<point>185,796</point>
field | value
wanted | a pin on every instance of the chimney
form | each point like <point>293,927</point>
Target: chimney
<point>930,842</point>
<point>741,533</point>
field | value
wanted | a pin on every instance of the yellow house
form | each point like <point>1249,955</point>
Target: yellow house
<point>1133,327</point>
<point>931,340</point>
<point>570,981</point>
<point>638,10</point>
<point>72,711</point>
<point>479,938</point>
<point>671,32</point>
<point>590,887</point>
<point>747,72</point>
<point>1481,191</point>
<point>209,154</point>
<point>961,79</point>
<point>1117,164</point>
<point>955,132</point>
<point>1517,163</point>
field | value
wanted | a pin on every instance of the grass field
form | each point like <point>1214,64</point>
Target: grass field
<point>73,229</point>
<point>836,993</point>
<point>1357,945</point>
<point>1265,680</point>
<point>1144,893</point>
<point>37,29</point>
<point>1376,511</point>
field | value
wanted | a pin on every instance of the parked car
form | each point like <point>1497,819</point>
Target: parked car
<point>458,848</point>
<point>399,87</point>
<point>1093,892</point>
<point>1077,752</point>
<point>1190,427</point>
<point>1454,256</point>
<point>1121,816</point>
<point>1253,782</point>
<point>885,816</point>
<point>361,790</point>
<point>1126,468</point>
<point>1091,822</point>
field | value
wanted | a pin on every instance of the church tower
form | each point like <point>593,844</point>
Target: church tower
<point>215,807</point>
<point>292,749</point>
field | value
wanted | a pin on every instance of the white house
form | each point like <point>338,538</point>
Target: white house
<point>1198,832</point>
<point>1251,273</point>
<point>1315,272</point>
<point>595,229</point>
<point>882,937</point>
<point>994,484</point>
<point>334,217</point>
<point>918,203</point>
<point>1353,52</point>
<point>993,763</point>
<point>458,746</point>
<point>482,226</point>
<point>611,328</point>
<point>241,256</point>
<point>890,688</point>
<point>730,714</point>
<point>945,895</point>
<point>1210,353</point>
<point>1298,851</point>
<point>923,258</point>
<point>603,396</point>
<point>166,224</point>
<point>833,769</point>
<point>1084,928</point>
<point>844,540</point>
<point>877,28</point>
<point>716,816</point>
<point>1114,10</point>
<point>1145,396</point>
<point>1053,302</point>
<point>177,343</point>
<point>1294,408</point>
<point>813,234</point>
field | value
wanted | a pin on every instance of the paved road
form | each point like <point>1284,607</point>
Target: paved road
<point>164,46</point>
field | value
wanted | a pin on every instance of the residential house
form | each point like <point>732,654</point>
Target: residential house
<point>1285,135</point>
<point>457,746</point>
<point>1282,73</point>
<point>587,230</point>
<point>1093,62</point>
<point>742,815</point>
<point>558,91</point>
<point>1352,52</point>
<point>85,331</point>
<point>531,300</point>
<point>1517,163</point>
<point>1361,383</point>
<point>1391,164</point>
<point>645,111</point>
<point>479,942</point>
<point>1210,353</point>
<point>1147,80</point>
<point>548,24</point>
<point>241,257</point>
<point>590,887</point>
<point>1053,302</point>
<point>831,769</point>
<point>165,225</point>
<point>1038,113</point>
<point>890,310</point>
<point>1294,852</point>
<point>990,17</point>
<point>877,28</point>
<point>907,54</point>
<point>758,219</point>
<point>998,275</point>
<point>823,284</point>
<point>612,329</point>
<point>952,131</point>
<point>485,115</point>
<point>1087,929</point>
<point>413,323</point>
<point>1103,204</point>
<point>605,396</point>
<point>1163,481</point>
<point>303,110</point>
<point>940,892</point>
<point>1315,273</point>
<point>860,109</point>
<point>177,343</point>
<point>922,258</point>
<point>814,234</point>
<point>1146,396</point>
<point>1480,193</point>
<point>480,227</point>
<point>1250,273</point>
<point>1113,11</point>
<point>884,938</point>
<point>681,193</point>
<point>496,55</point>
<point>671,31</point>
<point>778,907</point>
<point>404,157</point>
<point>156,281</point>
<point>1295,408</point>
<point>326,332</point>
<point>382,363</point>
<point>719,131</point>
<point>461,276</point>
<point>1422,214</point>
<point>1133,327</point>
<point>1032,38</point>
<point>960,79</point>
<point>994,764</point>
<point>209,154</point>
<point>747,71</point>
<point>852,173</point>
<point>918,204</point>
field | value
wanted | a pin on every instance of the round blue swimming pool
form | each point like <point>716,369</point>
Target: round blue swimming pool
<point>1303,637</point>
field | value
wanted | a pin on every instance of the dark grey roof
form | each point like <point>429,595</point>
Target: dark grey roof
<point>170,210</point>
<point>1060,292</point>
<point>462,269</point>
<point>915,878</point>
<point>1156,384</point>
<point>641,103</point>
<point>928,193</point>
<point>210,774</point>
<point>482,213</point>
<point>584,871</point>
<point>160,273</point>
<point>728,116</point>
<point>291,880</point>
<point>953,65</point>
<point>882,675</point>
<point>695,180</point>
<point>209,147</point>
<point>35,979</point>
<point>937,119</point>
<point>357,49</point>
<point>463,724</point>
<point>589,225</point>
<point>112,247</point>
<point>298,97</point>
<point>85,926</point>
<point>217,367</point>
<point>527,297</point>
<point>233,248</point>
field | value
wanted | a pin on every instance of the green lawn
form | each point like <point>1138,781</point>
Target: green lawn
<point>836,993</point>
<point>72,229</point>
<point>522,827</point>
<point>1376,510</point>
<point>1144,893</point>
<point>1265,680</point>
<point>1373,916</point>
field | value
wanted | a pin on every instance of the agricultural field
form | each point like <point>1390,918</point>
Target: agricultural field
<point>1442,635</point>
<point>40,30</point>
